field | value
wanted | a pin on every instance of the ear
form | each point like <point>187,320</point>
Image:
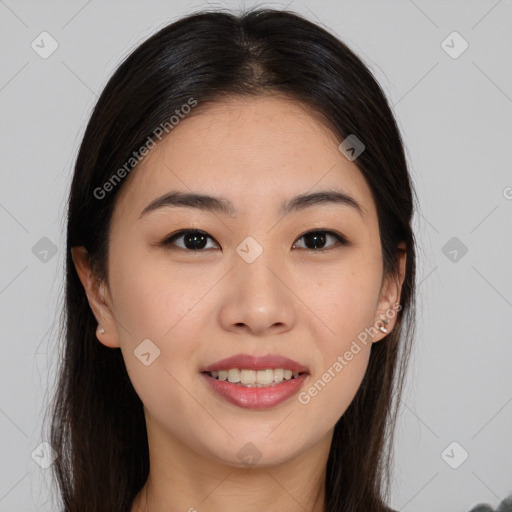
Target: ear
<point>388,306</point>
<point>98,297</point>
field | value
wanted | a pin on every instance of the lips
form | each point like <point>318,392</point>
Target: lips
<point>254,397</point>
<point>250,362</point>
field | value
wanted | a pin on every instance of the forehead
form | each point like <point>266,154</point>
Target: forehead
<point>254,151</point>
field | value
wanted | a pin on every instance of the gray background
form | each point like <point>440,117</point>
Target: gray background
<point>454,114</point>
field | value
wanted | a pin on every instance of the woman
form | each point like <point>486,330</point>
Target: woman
<point>240,277</point>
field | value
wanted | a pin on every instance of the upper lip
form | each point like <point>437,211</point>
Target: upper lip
<point>250,362</point>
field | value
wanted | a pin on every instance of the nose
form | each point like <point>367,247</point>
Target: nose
<point>258,297</point>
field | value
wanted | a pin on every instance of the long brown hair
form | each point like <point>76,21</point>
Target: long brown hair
<point>103,459</point>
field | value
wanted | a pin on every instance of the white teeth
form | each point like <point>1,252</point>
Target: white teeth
<point>247,377</point>
<point>265,376</point>
<point>278,375</point>
<point>234,375</point>
<point>254,378</point>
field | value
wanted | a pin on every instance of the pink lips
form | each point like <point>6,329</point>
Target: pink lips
<point>249,362</point>
<point>255,397</point>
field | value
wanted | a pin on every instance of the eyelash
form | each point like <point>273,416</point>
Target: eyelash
<point>340,239</point>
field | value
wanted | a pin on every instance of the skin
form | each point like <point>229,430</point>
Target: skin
<point>199,307</point>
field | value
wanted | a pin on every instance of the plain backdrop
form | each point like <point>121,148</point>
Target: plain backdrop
<point>446,68</point>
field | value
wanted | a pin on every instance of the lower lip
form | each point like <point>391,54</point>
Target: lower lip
<point>256,398</point>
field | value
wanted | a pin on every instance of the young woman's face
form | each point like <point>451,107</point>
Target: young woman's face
<point>249,283</point>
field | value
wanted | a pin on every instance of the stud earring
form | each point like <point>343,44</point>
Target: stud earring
<point>382,328</point>
<point>101,330</point>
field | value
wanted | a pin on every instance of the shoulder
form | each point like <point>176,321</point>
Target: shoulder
<point>504,506</point>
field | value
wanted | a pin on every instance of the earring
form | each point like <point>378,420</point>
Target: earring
<point>382,328</point>
<point>101,330</point>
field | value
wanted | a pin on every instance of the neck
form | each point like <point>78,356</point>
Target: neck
<point>185,480</point>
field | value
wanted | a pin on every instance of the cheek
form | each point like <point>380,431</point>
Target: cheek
<point>344,300</point>
<point>151,298</point>
<point>344,353</point>
<point>329,395</point>
<point>160,306</point>
<point>151,303</point>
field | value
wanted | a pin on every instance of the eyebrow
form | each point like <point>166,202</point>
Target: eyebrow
<point>221,205</point>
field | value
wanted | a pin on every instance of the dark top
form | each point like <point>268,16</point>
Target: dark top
<point>504,506</point>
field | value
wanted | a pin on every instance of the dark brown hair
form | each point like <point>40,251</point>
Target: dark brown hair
<point>103,459</point>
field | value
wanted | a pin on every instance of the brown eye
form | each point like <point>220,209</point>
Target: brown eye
<point>315,240</point>
<point>193,239</point>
